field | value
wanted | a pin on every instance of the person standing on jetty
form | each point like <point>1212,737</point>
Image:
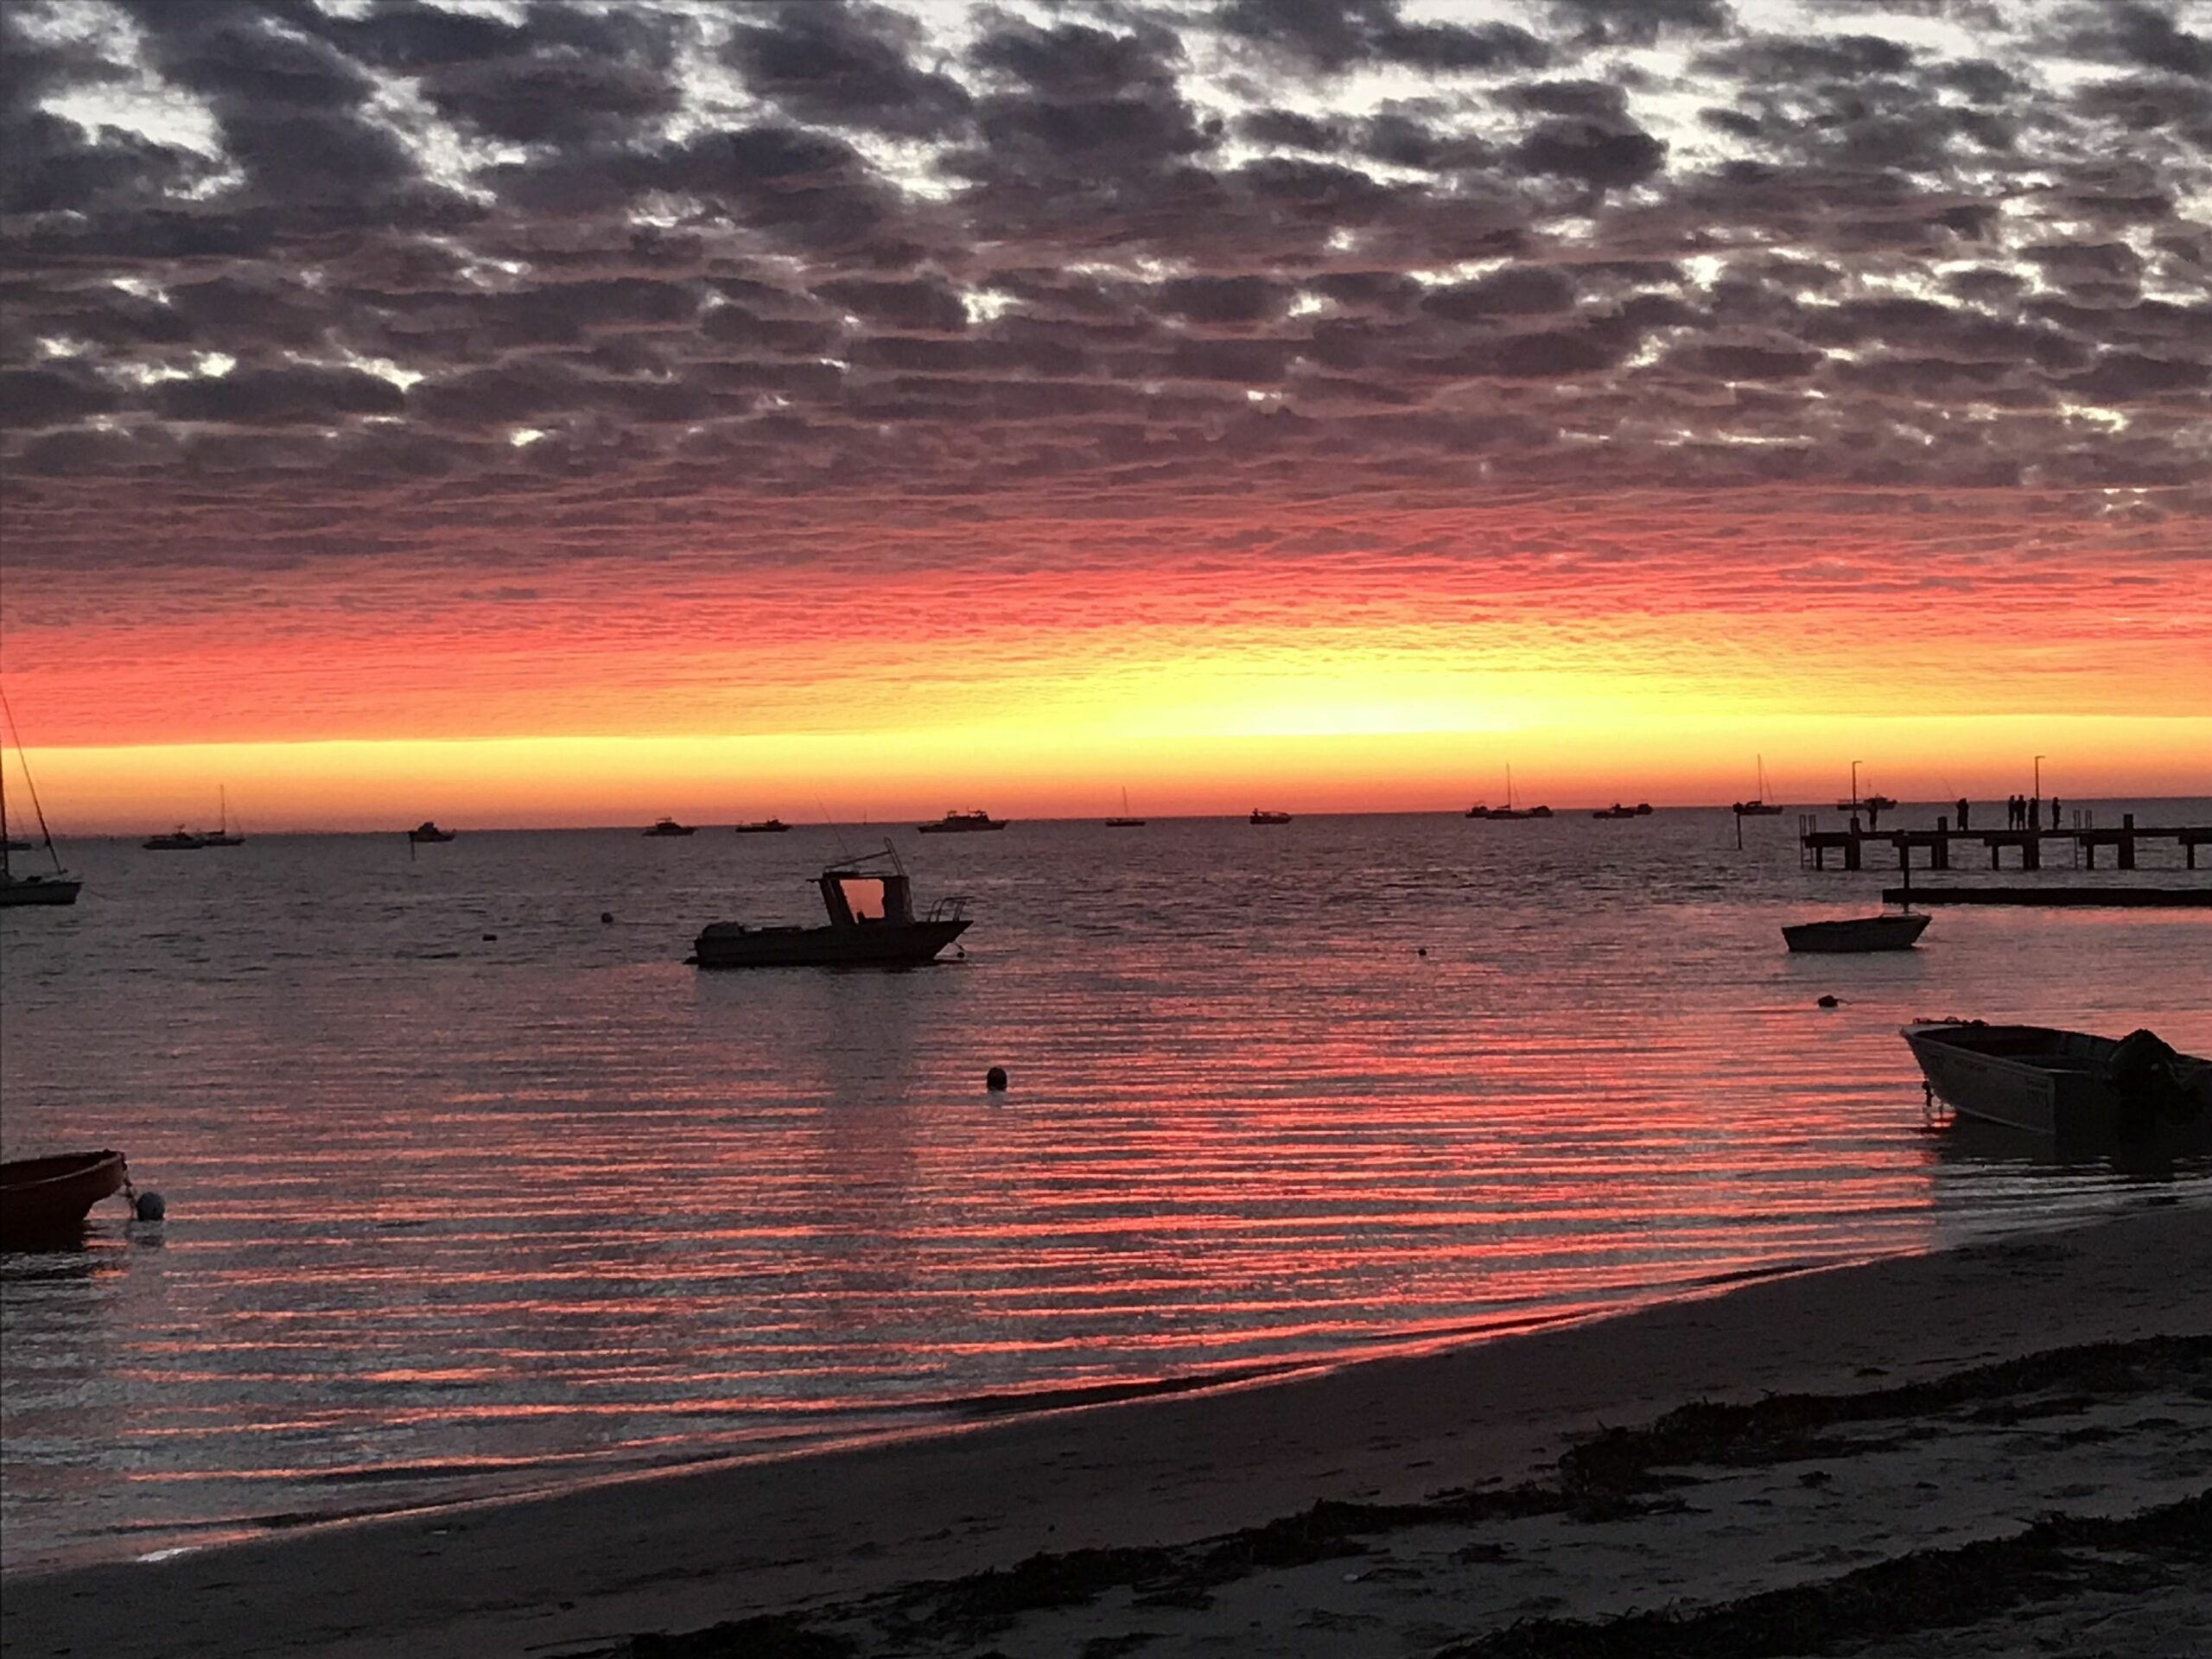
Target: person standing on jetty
<point>1963,808</point>
<point>2054,812</point>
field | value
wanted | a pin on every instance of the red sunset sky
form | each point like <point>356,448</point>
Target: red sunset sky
<point>558,414</point>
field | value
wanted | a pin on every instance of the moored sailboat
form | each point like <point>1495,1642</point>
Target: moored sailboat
<point>222,835</point>
<point>1758,806</point>
<point>18,886</point>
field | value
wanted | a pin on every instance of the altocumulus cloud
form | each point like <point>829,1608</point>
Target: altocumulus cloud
<point>640,270</point>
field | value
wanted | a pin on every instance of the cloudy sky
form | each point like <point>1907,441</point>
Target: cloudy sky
<point>554,407</point>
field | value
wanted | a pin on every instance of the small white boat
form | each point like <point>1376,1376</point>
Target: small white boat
<point>2064,1084</point>
<point>1857,933</point>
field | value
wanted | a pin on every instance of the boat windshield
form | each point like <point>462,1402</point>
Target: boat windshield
<point>864,896</point>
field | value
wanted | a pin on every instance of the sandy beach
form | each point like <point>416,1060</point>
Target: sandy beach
<point>1996,1448</point>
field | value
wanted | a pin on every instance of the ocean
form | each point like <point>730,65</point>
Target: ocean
<point>473,1193</point>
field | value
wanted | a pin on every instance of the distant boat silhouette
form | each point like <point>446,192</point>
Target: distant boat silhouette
<point>1509,810</point>
<point>1125,822</point>
<point>427,831</point>
<point>222,835</point>
<point>1259,816</point>
<point>954,824</point>
<point>763,827</point>
<point>29,886</point>
<point>671,827</point>
<point>1757,807</point>
<point>179,840</point>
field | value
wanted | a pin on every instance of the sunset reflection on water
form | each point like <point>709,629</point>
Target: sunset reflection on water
<point>454,1215</point>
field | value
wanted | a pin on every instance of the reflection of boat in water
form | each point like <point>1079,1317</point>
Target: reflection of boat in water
<point>1260,817</point>
<point>871,925</point>
<point>44,1200</point>
<point>2059,1083</point>
<point>671,827</point>
<point>954,824</point>
<point>428,832</point>
<point>1857,933</point>
<point>54,886</point>
<point>179,840</point>
<point>763,827</point>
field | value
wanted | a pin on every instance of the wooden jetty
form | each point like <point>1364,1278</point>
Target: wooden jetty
<point>2083,840</point>
<point>2109,898</point>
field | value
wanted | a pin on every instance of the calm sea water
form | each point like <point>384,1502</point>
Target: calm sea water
<point>471,1193</point>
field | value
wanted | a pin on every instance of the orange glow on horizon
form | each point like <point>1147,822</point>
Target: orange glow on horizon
<point>1022,770</point>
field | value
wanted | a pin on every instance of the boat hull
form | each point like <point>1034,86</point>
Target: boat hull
<point>2054,1083</point>
<point>1856,934</point>
<point>43,1201</point>
<point>959,828</point>
<point>871,944</point>
<point>38,890</point>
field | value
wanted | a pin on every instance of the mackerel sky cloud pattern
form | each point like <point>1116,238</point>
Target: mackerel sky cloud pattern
<point>591,340</point>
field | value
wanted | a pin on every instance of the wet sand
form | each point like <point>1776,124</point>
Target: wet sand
<point>1821,1458</point>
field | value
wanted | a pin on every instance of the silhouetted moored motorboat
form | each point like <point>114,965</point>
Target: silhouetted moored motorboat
<point>871,925</point>
<point>954,823</point>
<point>1856,933</point>
<point>2063,1084</point>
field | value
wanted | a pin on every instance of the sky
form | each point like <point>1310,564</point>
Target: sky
<point>544,413</point>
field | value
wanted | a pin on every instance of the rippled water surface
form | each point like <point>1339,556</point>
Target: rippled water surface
<point>471,1193</point>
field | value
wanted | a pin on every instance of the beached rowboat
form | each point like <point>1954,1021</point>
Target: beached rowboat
<point>43,1200</point>
<point>2065,1083</point>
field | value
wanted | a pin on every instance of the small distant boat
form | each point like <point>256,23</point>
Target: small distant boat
<point>1617,810</point>
<point>428,832</point>
<point>1858,803</point>
<point>763,827</point>
<point>671,827</point>
<point>44,1200</point>
<point>54,886</point>
<point>1857,933</point>
<point>222,835</point>
<point>954,823</point>
<point>2057,1083</point>
<point>1758,806</point>
<point>179,840</point>
<point>1259,816</point>
<point>1125,822</point>
<point>871,925</point>
<point>1509,810</point>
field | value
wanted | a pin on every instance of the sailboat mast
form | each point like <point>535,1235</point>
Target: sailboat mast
<point>8,716</point>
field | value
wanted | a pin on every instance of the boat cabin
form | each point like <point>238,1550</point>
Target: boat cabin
<point>853,896</point>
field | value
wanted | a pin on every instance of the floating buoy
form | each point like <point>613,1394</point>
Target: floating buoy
<point>488,937</point>
<point>1422,951</point>
<point>1828,1002</point>
<point>150,1206</point>
<point>994,1079</point>
<point>606,916</point>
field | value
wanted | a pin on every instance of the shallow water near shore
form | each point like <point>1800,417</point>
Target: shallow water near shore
<point>454,1215</point>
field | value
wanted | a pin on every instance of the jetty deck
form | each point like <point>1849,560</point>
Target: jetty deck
<point>1935,847</point>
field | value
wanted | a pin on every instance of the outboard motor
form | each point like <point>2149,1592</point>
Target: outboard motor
<point>2140,1071</point>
